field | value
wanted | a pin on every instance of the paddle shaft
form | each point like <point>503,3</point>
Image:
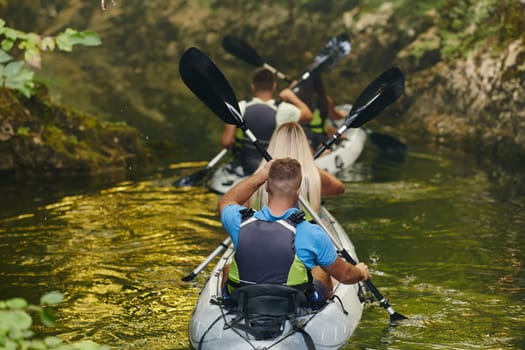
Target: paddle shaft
<point>224,244</point>
<point>277,73</point>
<point>348,121</point>
<point>217,158</point>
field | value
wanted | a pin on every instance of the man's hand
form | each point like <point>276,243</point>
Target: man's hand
<point>241,192</point>
<point>365,275</point>
<point>287,95</point>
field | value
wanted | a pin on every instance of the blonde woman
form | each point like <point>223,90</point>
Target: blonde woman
<point>289,140</point>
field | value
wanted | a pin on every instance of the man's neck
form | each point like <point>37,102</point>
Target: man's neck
<point>264,95</point>
<point>279,206</point>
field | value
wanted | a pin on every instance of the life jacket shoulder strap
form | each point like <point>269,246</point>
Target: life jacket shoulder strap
<point>297,217</point>
<point>246,213</point>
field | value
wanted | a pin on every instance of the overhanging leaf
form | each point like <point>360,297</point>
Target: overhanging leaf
<point>47,316</point>
<point>52,298</point>
<point>47,43</point>
<point>15,319</point>
<point>16,303</point>
<point>5,57</point>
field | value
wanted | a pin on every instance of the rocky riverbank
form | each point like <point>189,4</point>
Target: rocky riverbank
<point>464,63</point>
<point>39,137</point>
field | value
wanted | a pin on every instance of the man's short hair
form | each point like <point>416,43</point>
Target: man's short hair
<point>263,79</point>
<point>284,177</point>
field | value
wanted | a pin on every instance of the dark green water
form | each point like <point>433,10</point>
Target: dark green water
<point>444,241</point>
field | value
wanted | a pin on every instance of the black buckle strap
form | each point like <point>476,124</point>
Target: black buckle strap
<point>297,217</point>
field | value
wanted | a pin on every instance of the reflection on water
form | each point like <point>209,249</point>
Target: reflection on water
<point>443,248</point>
<point>119,255</point>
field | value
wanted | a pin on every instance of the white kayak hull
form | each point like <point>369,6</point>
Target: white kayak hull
<point>344,154</point>
<point>329,328</point>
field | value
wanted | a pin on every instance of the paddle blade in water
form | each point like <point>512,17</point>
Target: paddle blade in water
<point>192,179</point>
<point>387,143</point>
<point>208,83</point>
<point>240,48</point>
<point>396,317</point>
<point>378,95</point>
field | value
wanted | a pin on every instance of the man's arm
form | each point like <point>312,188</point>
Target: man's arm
<point>288,96</point>
<point>241,192</point>
<point>228,135</point>
<point>347,273</point>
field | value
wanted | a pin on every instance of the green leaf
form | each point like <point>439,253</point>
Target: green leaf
<point>17,78</point>
<point>22,131</point>
<point>33,39</point>
<point>27,334</point>
<point>16,303</point>
<point>63,42</point>
<point>47,316</point>
<point>48,43</point>
<point>90,38</point>
<point>2,23</point>
<point>15,320</point>
<point>7,44</point>
<point>12,34</point>
<point>33,58</point>
<point>37,345</point>
<point>13,68</point>
<point>52,298</point>
<point>5,57</point>
<point>70,37</point>
<point>52,342</point>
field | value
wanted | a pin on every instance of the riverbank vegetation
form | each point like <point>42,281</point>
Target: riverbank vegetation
<point>463,61</point>
<point>16,325</point>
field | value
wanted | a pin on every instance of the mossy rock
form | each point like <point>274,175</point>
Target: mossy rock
<point>39,136</point>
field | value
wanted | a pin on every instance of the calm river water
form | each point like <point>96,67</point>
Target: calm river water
<point>445,244</point>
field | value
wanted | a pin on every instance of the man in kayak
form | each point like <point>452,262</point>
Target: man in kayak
<point>262,116</point>
<point>275,245</point>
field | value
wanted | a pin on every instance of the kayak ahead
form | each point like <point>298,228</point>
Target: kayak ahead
<point>344,154</point>
<point>266,316</point>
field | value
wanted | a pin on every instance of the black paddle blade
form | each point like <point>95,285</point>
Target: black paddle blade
<point>336,49</point>
<point>396,317</point>
<point>208,83</point>
<point>378,95</point>
<point>192,179</point>
<point>240,48</point>
<point>387,143</point>
<point>189,277</point>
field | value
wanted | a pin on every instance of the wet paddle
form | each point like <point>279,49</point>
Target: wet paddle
<point>387,143</point>
<point>196,177</point>
<point>378,95</point>
<point>335,49</point>
<point>199,68</point>
<point>240,49</point>
<point>224,244</point>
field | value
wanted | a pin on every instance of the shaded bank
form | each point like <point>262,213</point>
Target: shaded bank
<point>463,62</point>
<point>39,137</point>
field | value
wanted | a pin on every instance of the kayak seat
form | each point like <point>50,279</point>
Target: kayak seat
<point>265,308</point>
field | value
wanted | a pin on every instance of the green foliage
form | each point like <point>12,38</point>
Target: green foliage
<point>22,131</point>
<point>13,74</point>
<point>16,322</point>
<point>466,24</point>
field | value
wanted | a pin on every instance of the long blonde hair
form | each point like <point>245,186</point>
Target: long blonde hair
<point>289,140</point>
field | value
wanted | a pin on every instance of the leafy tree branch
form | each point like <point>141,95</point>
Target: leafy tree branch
<point>13,73</point>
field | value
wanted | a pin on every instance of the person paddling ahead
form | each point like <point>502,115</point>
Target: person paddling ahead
<point>262,116</point>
